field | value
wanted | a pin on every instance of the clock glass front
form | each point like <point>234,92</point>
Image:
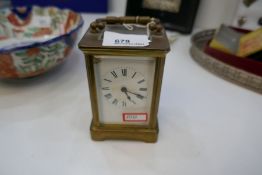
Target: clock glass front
<point>124,87</point>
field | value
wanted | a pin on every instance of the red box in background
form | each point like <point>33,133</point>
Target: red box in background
<point>246,64</point>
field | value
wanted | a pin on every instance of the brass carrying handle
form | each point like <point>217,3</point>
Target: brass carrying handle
<point>127,19</point>
<point>154,24</point>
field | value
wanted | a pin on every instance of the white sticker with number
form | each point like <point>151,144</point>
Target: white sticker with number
<point>135,117</point>
<point>129,40</point>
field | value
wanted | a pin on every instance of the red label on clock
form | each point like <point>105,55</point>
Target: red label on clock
<point>135,117</point>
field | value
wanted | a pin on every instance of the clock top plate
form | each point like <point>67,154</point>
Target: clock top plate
<point>93,40</point>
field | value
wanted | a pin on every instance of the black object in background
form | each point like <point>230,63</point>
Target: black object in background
<point>256,56</point>
<point>180,18</point>
<point>260,21</point>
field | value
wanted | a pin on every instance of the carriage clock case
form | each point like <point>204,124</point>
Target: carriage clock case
<point>124,82</point>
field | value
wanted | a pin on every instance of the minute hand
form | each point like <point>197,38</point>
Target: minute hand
<point>137,95</point>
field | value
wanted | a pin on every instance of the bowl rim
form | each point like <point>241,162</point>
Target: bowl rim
<point>40,43</point>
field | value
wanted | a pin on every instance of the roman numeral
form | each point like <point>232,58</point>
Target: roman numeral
<point>106,88</point>
<point>123,103</point>
<point>143,89</point>
<point>108,80</point>
<point>140,97</point>
<point>115,101</point>
<point>108,96</point>
<point>124,72</point>
<point>114,74</point>
<point>134,75</point>
<point>141,81</point>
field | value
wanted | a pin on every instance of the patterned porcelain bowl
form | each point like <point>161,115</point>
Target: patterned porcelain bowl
<point>35,39</point>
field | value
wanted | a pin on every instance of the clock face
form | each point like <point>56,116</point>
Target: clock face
<point>124,89</point>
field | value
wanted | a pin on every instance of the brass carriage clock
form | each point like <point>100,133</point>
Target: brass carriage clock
<point>125,77</point>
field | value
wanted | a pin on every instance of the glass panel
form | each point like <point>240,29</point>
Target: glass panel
<point>124,89</point>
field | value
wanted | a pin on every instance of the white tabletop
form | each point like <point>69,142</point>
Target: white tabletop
<point>208,126</point>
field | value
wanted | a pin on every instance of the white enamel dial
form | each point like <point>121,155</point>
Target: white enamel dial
<point>124,87</point>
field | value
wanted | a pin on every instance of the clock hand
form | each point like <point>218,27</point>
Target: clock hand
<point>137,95</point>
<point>123,89</point>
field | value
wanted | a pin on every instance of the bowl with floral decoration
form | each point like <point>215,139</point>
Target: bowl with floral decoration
<point>35,39</point>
